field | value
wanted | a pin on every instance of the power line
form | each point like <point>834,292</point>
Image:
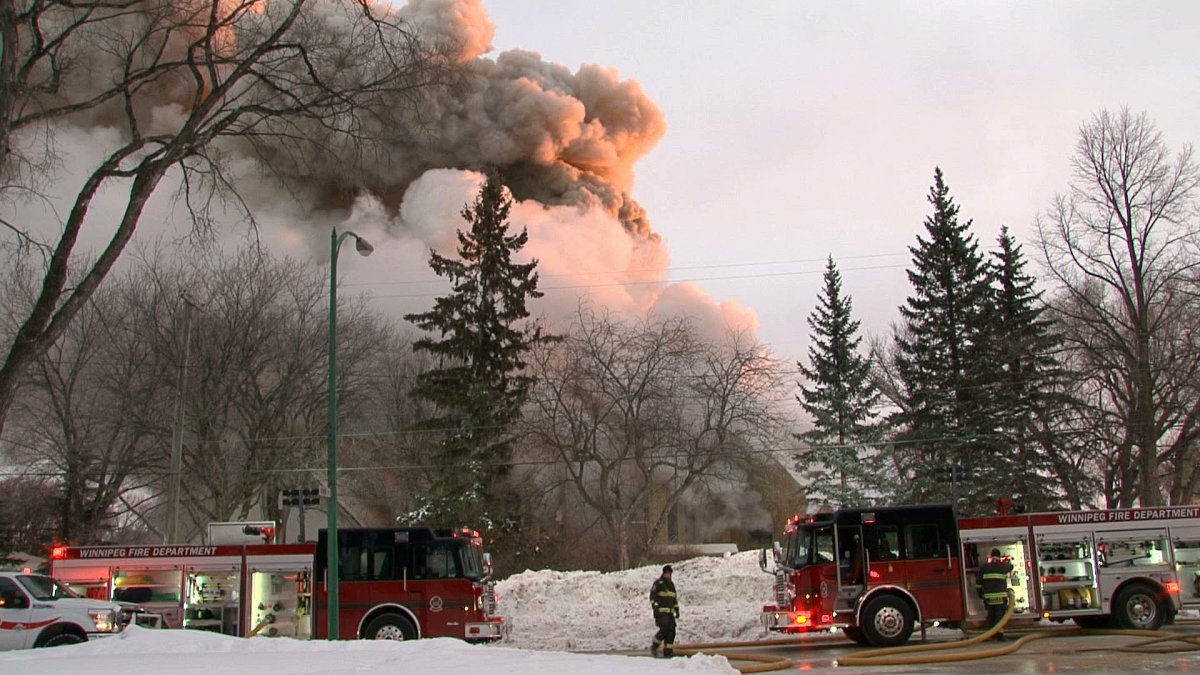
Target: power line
<point>648,270</point>
<point>659,282</point>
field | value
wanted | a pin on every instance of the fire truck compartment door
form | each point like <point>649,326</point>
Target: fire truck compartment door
<point>1133,547</point>
<point>1185,547</point>
<point>976,548</point>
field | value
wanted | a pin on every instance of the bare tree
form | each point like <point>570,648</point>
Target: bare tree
<point>27,517</point>
<point>388,471</point>
<point>71,430</point>
<point>255,400</point>
<point>1122,246</point>
<point>275,77</point>
<point>635,415</point>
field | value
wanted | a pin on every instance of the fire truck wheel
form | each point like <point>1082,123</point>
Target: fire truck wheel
<point>390,627</point>
<point>1138,606</point>
<point>64,639</point>
<point>855,633</point>
<point>886,621</point>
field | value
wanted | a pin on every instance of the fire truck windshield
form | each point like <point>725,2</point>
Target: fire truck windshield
<point>45,588</point>
<point>808,545</point>
<point>472,562</point>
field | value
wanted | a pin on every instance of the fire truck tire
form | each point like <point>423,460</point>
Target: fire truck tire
<point>855,633</point>
<point>1139,607</point>
<point>390,627</point>
<point>64,638</point>
<point>886,621</point>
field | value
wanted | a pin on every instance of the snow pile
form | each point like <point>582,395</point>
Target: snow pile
<point>189,652</point>
<point>720,599</point>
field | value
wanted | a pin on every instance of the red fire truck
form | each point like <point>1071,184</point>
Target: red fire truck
<point>877,572</point>
<point>397,583</point>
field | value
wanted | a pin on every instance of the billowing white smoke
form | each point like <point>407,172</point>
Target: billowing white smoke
<point>564,142</point>
<point>583,251</point>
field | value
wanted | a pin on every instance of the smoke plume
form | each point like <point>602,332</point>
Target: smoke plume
<point>564,142</point>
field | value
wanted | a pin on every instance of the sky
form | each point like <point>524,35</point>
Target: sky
<point>702,158</point>
<point>551,612</point>
<point>798,130</point>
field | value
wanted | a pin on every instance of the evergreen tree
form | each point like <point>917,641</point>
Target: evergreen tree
<point>1029,390</point>
<point>481,383</point>
<point>840,465</point>
<point>947,443</point>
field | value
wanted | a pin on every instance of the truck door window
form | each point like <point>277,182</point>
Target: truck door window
<point>887,543</point>
<point>823,550</point>
<point>440,562</point>
<point>352,556</point>
<point>11,597</point>
<point>923,542</point>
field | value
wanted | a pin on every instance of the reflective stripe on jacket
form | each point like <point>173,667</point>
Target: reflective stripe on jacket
<point>993,580</point>
<point>662,596</point>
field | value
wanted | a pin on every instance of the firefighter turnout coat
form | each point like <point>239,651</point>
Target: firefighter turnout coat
<point>993,580</point>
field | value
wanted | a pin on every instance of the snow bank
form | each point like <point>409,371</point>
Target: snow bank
<point>720,599</point>
<point>189,652</point>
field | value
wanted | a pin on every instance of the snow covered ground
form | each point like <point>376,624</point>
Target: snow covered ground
<point>553,614</point>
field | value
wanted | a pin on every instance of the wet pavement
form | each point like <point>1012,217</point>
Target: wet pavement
<point>1052,654</point>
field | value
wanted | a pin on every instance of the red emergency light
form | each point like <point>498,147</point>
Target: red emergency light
<point>58,553</point>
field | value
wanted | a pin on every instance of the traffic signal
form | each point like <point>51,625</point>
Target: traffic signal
<point>300,497</point>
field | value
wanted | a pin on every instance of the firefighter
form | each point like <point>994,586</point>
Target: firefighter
<point>992,585</point>
<point>666,610</point>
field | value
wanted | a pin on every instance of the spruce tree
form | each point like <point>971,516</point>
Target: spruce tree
<point>1029,389</point>
<point>947,443</point>
<point>480,384</point>
<point>840,464</point>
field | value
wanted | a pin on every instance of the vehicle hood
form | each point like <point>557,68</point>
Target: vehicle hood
<point>79,604</point>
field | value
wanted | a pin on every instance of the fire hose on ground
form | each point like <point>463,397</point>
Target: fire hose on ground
<point>942,652</point>
<point>760,663</point>
<point>920,654</point>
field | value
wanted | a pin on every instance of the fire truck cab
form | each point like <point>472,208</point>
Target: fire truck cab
<point>876,573</point>
<point>870,572</point>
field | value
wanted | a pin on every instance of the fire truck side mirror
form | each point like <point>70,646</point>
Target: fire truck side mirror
<point>762,560</point>
<point>487,562</point>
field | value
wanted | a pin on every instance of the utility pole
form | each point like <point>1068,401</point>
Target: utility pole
<point>169,532</point>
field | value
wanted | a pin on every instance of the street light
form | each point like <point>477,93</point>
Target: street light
<point>173,488</point>
<point>331,539</point>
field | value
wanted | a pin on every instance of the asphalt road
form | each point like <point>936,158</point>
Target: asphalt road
<point>1055,654</point>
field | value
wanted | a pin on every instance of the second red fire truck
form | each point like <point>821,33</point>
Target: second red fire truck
<point>394,583</point>
<point>876,573</point>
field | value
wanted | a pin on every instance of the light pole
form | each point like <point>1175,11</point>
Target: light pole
<point>331,539</point>
<point>169,532</point>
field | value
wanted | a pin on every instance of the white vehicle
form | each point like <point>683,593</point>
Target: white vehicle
<point>37,611</point>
